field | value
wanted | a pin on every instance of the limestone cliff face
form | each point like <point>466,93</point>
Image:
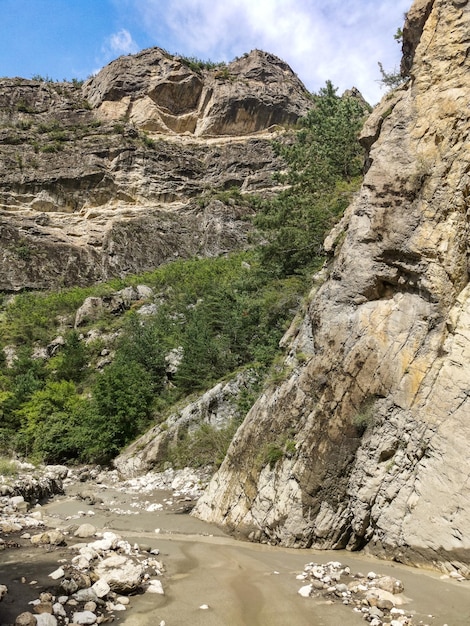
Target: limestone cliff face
<point>160,92</point>
<point>119,175</point>
<point>366,441</point>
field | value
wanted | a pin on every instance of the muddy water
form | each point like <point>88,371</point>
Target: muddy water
<point>246,584</point>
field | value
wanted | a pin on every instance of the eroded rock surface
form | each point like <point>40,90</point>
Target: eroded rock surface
<point>366,441</point>
<point>122,174</point>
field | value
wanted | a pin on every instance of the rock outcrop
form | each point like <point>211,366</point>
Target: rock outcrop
<point>365,444</point>
<point>163,93</point>
<point>216,408</point>
<point>135,167</point>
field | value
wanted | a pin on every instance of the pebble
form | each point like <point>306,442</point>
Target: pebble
<point>155,586</point>
<point>58,573</point>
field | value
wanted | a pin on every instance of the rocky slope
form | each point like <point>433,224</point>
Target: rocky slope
<point>122,173</point>
<point>366,441</point>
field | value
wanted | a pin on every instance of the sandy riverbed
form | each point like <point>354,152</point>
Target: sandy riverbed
<point>243,584</point>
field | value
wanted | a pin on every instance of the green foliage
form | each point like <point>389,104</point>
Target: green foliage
<point>33,317</point>
<point>197,65</point>
<point>71,361</point>
<point>203,447</point>
<point>122,396</point>
<point>272,452</point>
<point>364,418</point>
<point>53,404</point>
<point>42,79</point>
<point>324,169</point>
<point>23,251</point>
<point>398,36</point>
<point>391,80</point>
<point>146,345</point>
<point>23,107</point>
<point>8,467</point>
<point>148,141</point>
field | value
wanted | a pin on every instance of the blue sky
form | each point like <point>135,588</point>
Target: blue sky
<point>337,40</point>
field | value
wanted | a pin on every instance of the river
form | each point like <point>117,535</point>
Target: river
<point>243,584</point>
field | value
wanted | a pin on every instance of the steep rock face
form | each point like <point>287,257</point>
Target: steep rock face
<point>161,93</point>
<point>109,179</point>
<point>366,443</point>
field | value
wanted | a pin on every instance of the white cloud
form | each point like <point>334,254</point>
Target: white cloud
<point>321,39</point>
<point>119,43</point>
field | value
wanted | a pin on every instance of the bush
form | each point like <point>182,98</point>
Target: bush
<point>207,446</point>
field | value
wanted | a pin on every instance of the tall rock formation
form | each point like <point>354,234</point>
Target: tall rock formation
<point>366,441</point>
<point>123,173</point>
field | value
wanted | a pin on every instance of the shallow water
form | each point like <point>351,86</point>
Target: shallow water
<point>243,584</point>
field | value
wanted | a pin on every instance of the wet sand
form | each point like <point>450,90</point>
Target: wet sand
<point>248,584</point>
<point>243,584</point>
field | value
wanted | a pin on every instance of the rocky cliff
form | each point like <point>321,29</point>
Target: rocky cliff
<point>122,173</point>
<point>365,443</point>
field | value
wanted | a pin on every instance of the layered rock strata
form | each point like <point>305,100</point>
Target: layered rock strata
<point>365,443</point>
<point>110,178</point>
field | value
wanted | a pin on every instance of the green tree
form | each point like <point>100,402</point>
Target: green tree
<point>72,359</point>
<point>120,407</point>
<point>54,403</point>
<point>324,168</point>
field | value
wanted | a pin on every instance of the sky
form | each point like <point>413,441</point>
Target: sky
<point>337,40</point>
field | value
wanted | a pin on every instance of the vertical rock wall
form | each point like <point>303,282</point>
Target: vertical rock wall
<point>366,442</point>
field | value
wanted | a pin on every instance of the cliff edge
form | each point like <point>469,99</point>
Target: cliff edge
<point>365,443</point>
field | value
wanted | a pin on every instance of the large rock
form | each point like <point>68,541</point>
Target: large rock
<point>160,92</point>
<point>366,444</point>
<point>217,407</point>
<point>121,573</point>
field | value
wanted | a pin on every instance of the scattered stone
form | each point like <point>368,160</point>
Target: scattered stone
<point>58,609</point>
<point>372,595</point>
<point>390,584</point>
<point>46,619</point>
<point>305,591</point>
<point>84,531</point>
<point>101,588</point>
<point>26,619</point>
<point>84,617</point>
<point>51,537</point>
<point>122,574</point>
<point>155,586</point>
<point>58,573</point>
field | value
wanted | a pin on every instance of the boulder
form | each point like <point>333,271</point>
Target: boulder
<point>121,573</point>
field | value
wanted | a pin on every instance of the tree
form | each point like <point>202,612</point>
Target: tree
<point>71,361</point>
<point>325,163</point>
<point>120,407</point>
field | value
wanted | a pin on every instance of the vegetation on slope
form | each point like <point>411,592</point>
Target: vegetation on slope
<point>221,314</point>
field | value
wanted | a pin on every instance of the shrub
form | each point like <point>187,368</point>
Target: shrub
<point>8,467</point>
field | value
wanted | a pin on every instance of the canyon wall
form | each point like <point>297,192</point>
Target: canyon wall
<point>365,442</point>
<point>147,162</point>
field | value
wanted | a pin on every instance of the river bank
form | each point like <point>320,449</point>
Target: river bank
<point>240,583</point>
